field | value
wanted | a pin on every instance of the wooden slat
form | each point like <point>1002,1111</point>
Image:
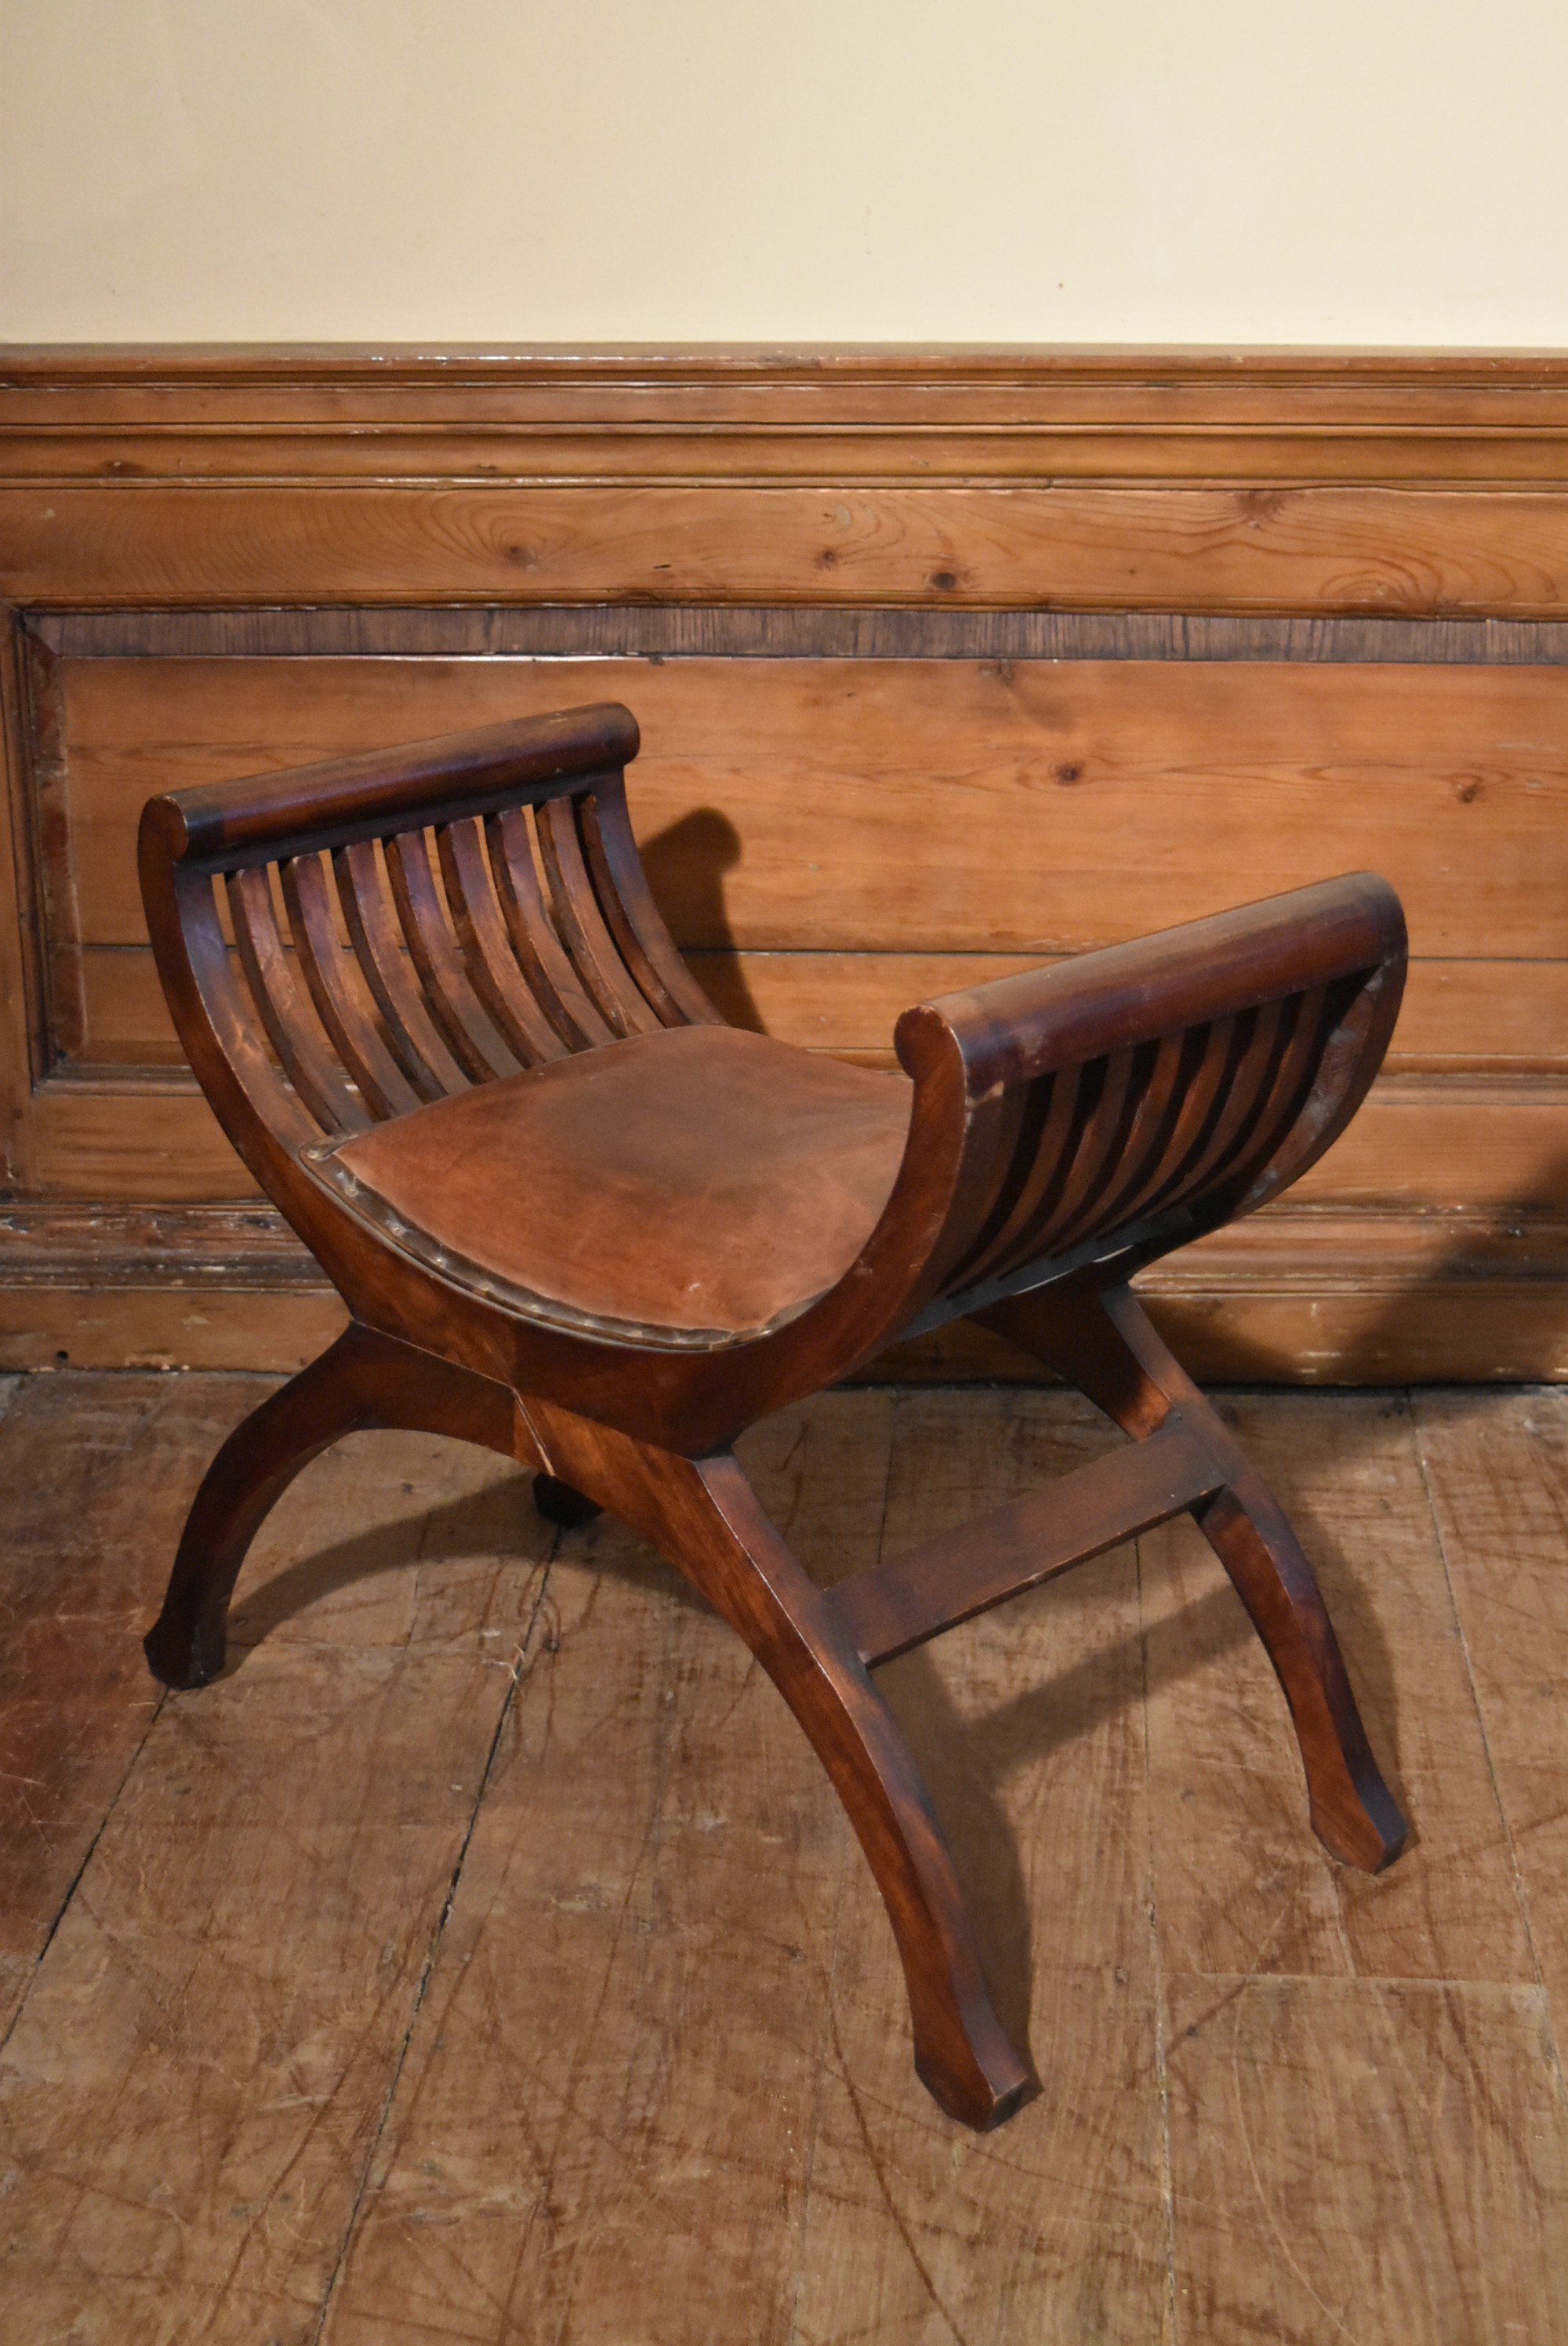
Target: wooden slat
<point>899,805</point>
<point>1208,1055</point>
<point>1318,548</point>
<point>336,986</point>
<point>1365,2160</point>
<point>364,894</point>
<point>630,913</point>
<point>1103,1094</point>
<point>487,953</point>
<point>930,1588</point>
<point>1050,1129</point>
<point>1304,1029</point>
<point>512,847</point>
<point>601,970</point>
<point>465,1025</point>
<point>280,1008</point>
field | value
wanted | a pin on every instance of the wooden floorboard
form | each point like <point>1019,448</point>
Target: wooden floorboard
<point>1027,1726</point>
<point>193,2084</point>
<point>96,1473</point>
<point>1365,2160</point>
<point>1240,1887</point>
<point>1499,1484</point>
<point>484,1958</point>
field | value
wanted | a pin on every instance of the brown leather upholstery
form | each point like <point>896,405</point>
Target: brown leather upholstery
<point>701,1181</point>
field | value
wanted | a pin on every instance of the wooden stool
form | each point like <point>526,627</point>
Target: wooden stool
<point>577,1218</point>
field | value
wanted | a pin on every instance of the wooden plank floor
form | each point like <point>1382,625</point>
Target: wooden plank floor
<point>484,1959</point>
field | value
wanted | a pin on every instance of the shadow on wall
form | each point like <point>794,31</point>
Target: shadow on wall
<point>685,865</point>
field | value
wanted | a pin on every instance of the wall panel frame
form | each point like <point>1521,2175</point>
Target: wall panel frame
<point>1178,627</point>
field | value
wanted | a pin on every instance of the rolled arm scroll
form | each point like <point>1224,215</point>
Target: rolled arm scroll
<point>1020,1027</point>
<point>442,781</point>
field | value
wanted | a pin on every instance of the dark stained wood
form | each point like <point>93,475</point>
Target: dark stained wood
<point>1099,1337</point>
<point>773,631</point>
<point>1241,1890</point>
<point>411,1031</point>
<point>1059,1131</point>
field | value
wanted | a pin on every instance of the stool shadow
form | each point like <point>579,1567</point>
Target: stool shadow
<point>685,865</point>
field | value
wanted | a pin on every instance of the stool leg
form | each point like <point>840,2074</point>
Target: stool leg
<point>706,1519</point>
<point>363,1380</point>
<point>1101,1341</point>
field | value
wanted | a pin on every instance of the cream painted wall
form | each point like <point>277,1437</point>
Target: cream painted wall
<point>1339,171</point>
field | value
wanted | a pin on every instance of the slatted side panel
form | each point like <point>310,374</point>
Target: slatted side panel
<point>1186,1124</point>
<point>394,972</point>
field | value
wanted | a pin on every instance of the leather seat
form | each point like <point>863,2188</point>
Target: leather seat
<point>699,1185</point>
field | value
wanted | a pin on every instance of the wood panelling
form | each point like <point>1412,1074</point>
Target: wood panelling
<point>1472,1017</point>
<point>1504,551</point>
<point>1309,1294</point>
<point>224,412</point>
<point>1425,1143</point>
<point>946,663</point>
<point>893,805</point>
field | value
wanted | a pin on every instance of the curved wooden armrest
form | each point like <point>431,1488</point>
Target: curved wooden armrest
<point>1018,1028</point>
<point>1126,1100</point>
<point>445,779</point>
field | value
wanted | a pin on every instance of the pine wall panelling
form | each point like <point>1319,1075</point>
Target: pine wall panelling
<point>946,663</point>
